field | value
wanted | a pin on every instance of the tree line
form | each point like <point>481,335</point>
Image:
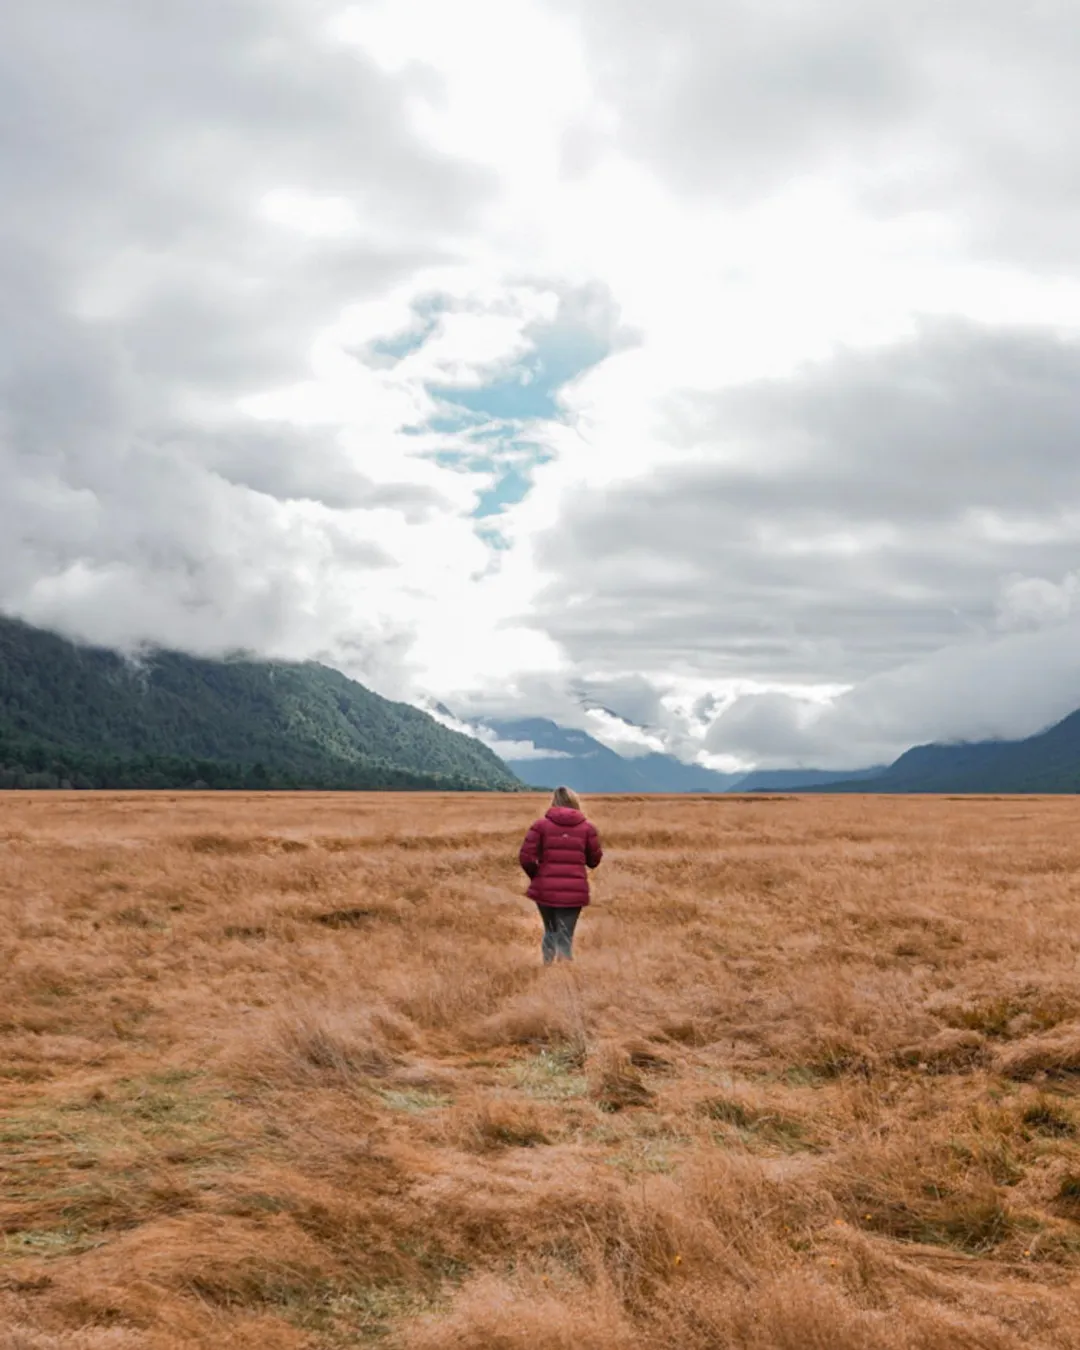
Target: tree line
<point>27,765</point>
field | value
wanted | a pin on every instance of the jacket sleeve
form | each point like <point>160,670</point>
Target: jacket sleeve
<point>529,857</point>
<point>593,851</point>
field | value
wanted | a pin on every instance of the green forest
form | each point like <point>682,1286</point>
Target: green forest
<point>85,717</point>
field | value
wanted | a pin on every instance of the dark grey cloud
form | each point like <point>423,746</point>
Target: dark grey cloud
<point>143,293</point>
<point>858,515</point>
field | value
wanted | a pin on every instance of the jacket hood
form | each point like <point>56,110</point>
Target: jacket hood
<point>564,815</point>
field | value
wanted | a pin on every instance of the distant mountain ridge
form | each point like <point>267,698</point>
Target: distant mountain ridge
<point>588,766</point>
<point>582,762</point>
<point>788,780</point>
<point>87,716</point>
<point>1047,762</point>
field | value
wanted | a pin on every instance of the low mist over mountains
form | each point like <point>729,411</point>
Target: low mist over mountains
<point>575,757</point>
<point>1048,762</point>
<point>87,717</point>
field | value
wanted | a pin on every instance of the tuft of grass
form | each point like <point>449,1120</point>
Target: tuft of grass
<point>759,1125</point>
<point>949,1191</point>
<point>1049,1117</point>
<point>648,1057</point>
<point>950,1051</point>
<point>413,1100</point>
<point>134,916</point>
<point>1051,1056</point>
<point>331,1044</point>
<point>992,1016</point>
<point>1031,1009</point>
<point>973,1221</point>
<point>834,1057</point>
<point>343,1315</point>
<point>502,1122</point>
<point>550,1075</point>
<point>345,918</point>
<point>47,1242</point>
<point>245,932</point>
<point>615,1082</point>
<point>1068,1195</point>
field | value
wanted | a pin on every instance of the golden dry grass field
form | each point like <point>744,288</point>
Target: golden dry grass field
<point>286,1072</point>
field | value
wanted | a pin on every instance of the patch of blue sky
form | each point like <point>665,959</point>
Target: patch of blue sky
<point>529,390</point>
<point>499,453</point>
<point>512,398</point>
<point>493,537</point>
<point>394,349</point>
<point>460,459</point>
<point>455,422</point>
<point>508,466</point>
<point>484,429</point>
<point>509,487</point>
<point>389,351</point>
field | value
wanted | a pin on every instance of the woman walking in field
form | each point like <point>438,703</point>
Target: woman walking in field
<point>556,852</point>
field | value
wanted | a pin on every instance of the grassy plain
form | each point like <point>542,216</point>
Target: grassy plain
<point>285,1071</point>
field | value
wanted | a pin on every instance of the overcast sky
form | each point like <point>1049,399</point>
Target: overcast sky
<point>714,362</point>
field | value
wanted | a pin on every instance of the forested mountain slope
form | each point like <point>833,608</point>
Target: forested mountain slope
<point>1048,762</point>
<point>94,718</point>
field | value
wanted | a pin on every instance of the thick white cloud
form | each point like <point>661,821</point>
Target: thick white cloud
<point>1008,686</point>
<point>1035,602</point>
<point>862,510</point>
<point>768,316</point>
<point>191,198</point>
<point>967,108</point>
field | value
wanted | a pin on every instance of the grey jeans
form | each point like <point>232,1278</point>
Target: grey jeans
<point>559,925</point>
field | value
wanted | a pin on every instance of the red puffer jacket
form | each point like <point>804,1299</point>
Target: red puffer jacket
<point>555,854</point>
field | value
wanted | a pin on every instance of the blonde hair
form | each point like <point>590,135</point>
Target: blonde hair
<point>564,796</point>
